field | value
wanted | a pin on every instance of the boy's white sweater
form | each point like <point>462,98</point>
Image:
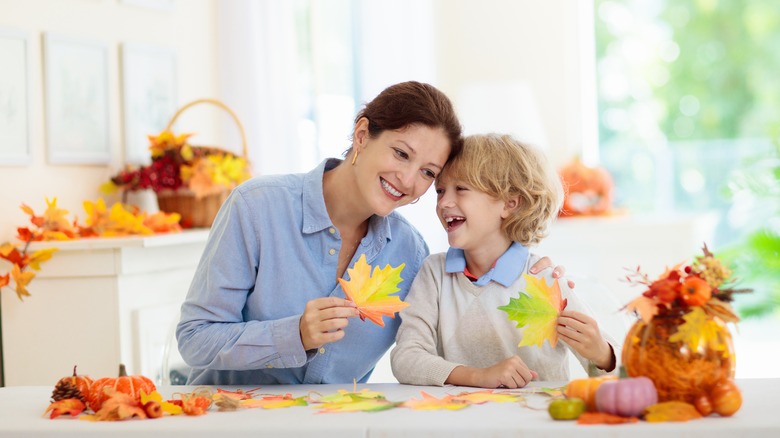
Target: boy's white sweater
<point>451,322</point>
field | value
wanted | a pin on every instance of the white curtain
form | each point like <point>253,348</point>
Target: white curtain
<point>258,79</point>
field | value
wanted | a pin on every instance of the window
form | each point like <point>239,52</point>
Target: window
<point>687,94</point>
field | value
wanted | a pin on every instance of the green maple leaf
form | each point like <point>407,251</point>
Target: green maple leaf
<point>537,309</point>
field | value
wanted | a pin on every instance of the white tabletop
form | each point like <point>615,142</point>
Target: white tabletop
<point>21,410</point>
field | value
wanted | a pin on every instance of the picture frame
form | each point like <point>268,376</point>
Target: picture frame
<point>15,147</point>
<point>160,5</point>
<point>77,100</point>
<point>148,96</point>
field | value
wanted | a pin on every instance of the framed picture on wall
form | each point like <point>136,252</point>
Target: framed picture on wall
<point>148,96</point>
<point>14,97</point>
<point>77,102</point>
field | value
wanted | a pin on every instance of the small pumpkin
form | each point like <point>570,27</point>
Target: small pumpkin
<point>695,291</point>
<point>726,398</point>
<point>131,385</point>
<point>588,190</point>
<point>585,389</point>
<point>80,382</point>
<point>626,397</point>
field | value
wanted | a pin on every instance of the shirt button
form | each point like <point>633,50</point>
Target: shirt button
<point>331,230</point>
<point>322,350</point>
<point>331,251</point>
<point>269,366</point>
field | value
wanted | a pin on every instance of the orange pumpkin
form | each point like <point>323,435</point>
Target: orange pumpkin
<point>131,385</point>
<point>80,382</point>
<point>588,190</point>
<point>726,398</point>
<point>586,390</point>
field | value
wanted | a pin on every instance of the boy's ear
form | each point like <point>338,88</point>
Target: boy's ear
<point>510,205</point>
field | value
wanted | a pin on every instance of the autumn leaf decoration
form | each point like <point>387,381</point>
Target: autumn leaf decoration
<point>371,292</point>
<point>537,309</point>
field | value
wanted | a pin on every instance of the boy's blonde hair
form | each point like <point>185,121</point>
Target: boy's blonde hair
<point>504,168</point>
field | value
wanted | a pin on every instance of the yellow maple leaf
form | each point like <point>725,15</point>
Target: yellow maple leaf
<point>166,406</point>
<point>22,279</point>
<point>371,291</point>
<point>429,402</point>
<point>699,330</point>
<point>39,257</point>
<point>54,218</point>
<point>484,396</point>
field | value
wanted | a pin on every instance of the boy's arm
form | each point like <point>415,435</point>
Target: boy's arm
<point>415,360</point>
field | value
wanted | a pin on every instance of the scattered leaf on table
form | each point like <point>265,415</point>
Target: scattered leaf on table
<point>274,402</point>
<point>119,406</point>
<point>371,291</point>
<point>671,411</point>
<point>697,330</point>
<point>359,405</point>
<point>604,418</point>
<point>168,407</point>
<point>430,402</point>
<point>479,397</point>
<point>343,396</point>
<point>238,394</point>
<point>537,309</point>
<point>68,406</point>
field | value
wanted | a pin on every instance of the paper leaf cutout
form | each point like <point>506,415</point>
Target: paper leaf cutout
<point>69,406</point>
<point>698,330</point>
<point>671,411</point>
<point>537,309</point>
<point>166,406</point>
<point>430,402</point>
<point>359,405</point>
<point>480,397</point>
<point>371,291</point>
<point>274,402</point>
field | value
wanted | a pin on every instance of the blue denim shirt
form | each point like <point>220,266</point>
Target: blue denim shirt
<point>272,248</point>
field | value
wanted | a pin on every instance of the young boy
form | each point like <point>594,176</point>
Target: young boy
<point>494,200</point>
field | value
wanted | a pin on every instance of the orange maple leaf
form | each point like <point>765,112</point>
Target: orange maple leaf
<point>22,279</point>
<point>69,406</point>
<point>371,291</point>
<point>646,307</point>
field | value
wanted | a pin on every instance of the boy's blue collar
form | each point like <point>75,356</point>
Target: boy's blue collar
<point>506,270</point>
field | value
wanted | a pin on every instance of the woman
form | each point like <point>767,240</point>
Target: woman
<point>265,306</point>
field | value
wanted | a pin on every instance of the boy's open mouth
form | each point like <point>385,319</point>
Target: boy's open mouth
<point>453,222</point>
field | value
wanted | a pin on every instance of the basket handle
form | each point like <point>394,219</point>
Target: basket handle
<point>220,104</point>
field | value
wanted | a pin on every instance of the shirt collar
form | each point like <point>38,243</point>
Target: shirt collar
<point>505,271</point>
<point>315,215</point>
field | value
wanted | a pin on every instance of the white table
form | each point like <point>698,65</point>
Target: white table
<point>21,409</point>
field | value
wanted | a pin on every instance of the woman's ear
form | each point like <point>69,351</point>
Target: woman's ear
<point>360,134</point>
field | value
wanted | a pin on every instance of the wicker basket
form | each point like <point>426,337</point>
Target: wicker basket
<point>198,212</point>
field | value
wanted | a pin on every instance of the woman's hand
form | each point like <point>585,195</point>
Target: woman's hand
<point>544,263</point>
<point>511,372</point>
<point>581,332</point>
<point>323,321</point>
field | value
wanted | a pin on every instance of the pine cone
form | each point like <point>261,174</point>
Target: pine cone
<point>65,390</point>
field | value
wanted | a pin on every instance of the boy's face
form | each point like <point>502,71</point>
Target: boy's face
<point>471,218</point>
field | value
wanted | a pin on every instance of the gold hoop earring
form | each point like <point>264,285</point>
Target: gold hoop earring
<point>354,157</point>
<point>415,201</point>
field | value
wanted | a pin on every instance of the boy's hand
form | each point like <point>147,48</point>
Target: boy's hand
<point>323,320</point>
<point>558,271</point>
<point>581,332</point>
<point>511,372</point>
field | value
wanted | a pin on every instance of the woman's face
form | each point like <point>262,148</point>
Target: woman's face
<point>398,166</point>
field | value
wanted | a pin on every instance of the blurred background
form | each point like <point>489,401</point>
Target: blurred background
<point>677,100</point>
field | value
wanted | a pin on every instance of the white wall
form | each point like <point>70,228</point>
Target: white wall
<point>189,29</point>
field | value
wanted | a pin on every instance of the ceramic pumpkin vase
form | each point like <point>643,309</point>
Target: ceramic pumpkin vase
<point>680,371</point>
